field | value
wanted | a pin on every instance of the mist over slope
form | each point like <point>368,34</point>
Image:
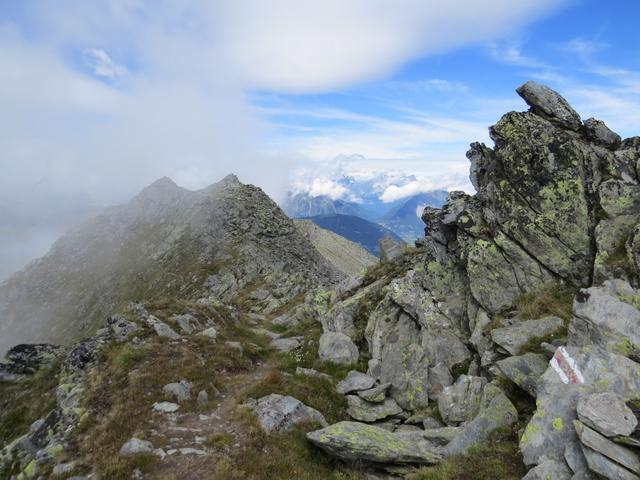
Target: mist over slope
<point>164,241</point>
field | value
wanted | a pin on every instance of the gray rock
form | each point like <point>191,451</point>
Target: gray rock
<point>161,328</point>
<point>603,318</point>
<point>575,458</point>
<point>390,249</point>
<point>286,344</point>
<point>573,373</point>
<point>599,443</point>
<point>337,348</point>
<point>439,378</point>
<point>549,470</point>
<point>364,411</point>
<point>355,441</point>
<point>165,407</point>
<point>285,321</point>
<point>210,332</point>
<point>310,372</point>
<point>430,423</point>
<point>121,328</point>
<point>461,401</point>
<point>202,399</point>
<point>607,413</point>
<point>63,469</point>
<point>187,323</point>
<point>524,370</point>
<point>442,435</point>
<point>407,370</point>
<point>601,465</point>
<point>135,446</point>
<point>549,104</point>
<point>278,413</point>
<point>179,391</point>
<point>355,381</point>
<point>513,337</point>
<point>496,411</point>
<point>599,133</point>
<point>234,345</point>
<point>376,394</point>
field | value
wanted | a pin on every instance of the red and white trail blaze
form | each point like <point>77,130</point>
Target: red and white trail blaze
<point>566,367</point>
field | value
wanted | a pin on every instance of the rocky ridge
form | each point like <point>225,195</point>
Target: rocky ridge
<point>513,322</point>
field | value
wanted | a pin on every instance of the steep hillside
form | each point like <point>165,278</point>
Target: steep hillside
<point>216,242</point>
<point>303,205</point>
<point>363,232</point>
<point>347,256</point>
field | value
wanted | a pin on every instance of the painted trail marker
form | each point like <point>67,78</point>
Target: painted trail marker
<point>566,367</point>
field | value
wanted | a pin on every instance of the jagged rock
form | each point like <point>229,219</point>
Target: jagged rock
<point>407,370</point>
<point>606,317</point>
<point>549,470</point>
<point>599,443</point>
<point>210,332</point>
<point>286,344</point>
<point>165,407</point>
<point>461,401</point>
<point>514,337</point>
<point>121,327</point>
<point>179,391</point>
<point>162,329</point>
<point>364,411</point>
<point>278,413</point>
<point>187,323</point>
<point>337,348</point>
<point>390,249</point>
<point>375,394</point>
<point>310,372</point>
<point>355,381</point>
<point>607,413</point>
<point>82,354</point>
<point>544,101</point>
<point>355,441</point>
<point>599,133</point>
<point>573,373</point>
<point>438,379</point>
<point>524,370</point>
<point>28,358</point>
<point>601,465</point>
<point>496,411</point>
<point>135,446</point>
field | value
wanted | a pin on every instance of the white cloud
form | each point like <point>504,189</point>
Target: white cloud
<point>325,187</point>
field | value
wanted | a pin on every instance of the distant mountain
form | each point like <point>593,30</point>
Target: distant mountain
<point>363,232</point>
<point>303,205</point>
<point>404,218</point>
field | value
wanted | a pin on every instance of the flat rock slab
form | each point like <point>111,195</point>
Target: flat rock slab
<point>278,413</point>
<point>599,443</point>
<point>375,394</point>
<point>364,411</point>
<point>165,407</point>
<point>607,413</point>
<point>524,370</point>
<point>354,382</point>
<point>514,337</point>
<point>354,441</point>
<point>162,329</point>
<point>605,467</point>
<point>286,344</point>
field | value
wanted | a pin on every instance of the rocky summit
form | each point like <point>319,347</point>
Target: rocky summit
<point>205,335</point>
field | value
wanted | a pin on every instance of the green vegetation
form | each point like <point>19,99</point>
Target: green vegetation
<point>552,299</point>
<point>279,457</point>
<point>497,459</point>
<point>24,402</point>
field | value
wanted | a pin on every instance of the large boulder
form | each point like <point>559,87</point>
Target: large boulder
<point>278,413</point>
<point>461,401</point>
<point>544,101</point>
<point>359,442</point>
<point>337,348</point>
<point>513,337</point>
<point>607,413</point>
<point>524,370</point>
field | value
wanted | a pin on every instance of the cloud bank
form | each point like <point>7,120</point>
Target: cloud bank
<point>98,99</point>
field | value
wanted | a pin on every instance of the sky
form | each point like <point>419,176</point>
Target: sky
<point>99,99</point>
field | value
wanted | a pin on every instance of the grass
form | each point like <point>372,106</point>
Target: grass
<point>124,385</point>
<point>24,402</point>
<point>497,459</point>
<point>552,299</point>
<point>220,440</point>
<point>280,457</point>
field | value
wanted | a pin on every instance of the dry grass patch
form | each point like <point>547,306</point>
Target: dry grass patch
<point>552,299</point>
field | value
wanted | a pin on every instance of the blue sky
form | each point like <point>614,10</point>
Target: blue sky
<point>98,99</point>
